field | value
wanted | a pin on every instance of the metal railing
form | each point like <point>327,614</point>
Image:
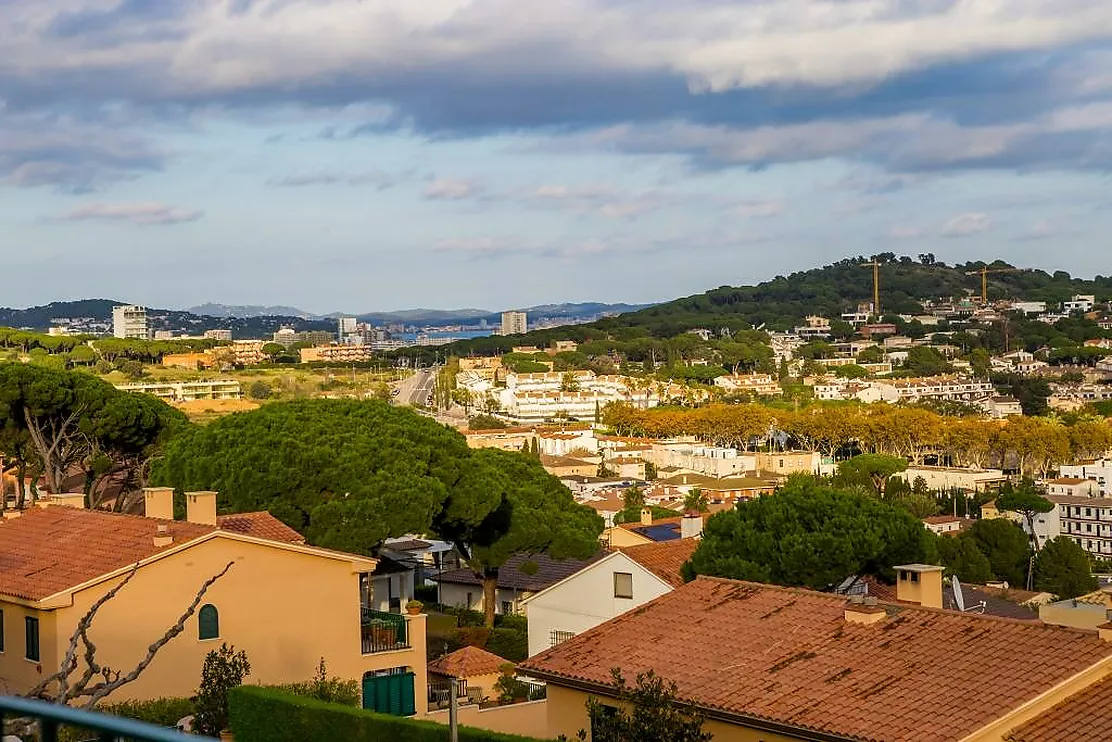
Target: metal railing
<point>383,632</point>
<point>48,718</point>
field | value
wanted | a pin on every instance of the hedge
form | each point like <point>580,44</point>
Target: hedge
<point>270,715</point>
<point>163,712</point>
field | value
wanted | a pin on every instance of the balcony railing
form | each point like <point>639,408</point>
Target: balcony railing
<point>48,718</point>
<point>383,632</point>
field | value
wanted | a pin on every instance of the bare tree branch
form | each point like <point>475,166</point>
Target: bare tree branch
<point>110,680</point>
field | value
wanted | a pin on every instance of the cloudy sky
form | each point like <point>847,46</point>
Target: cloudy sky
<point>350,155</point>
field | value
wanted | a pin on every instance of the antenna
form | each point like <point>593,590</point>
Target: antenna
<point>959,598</point>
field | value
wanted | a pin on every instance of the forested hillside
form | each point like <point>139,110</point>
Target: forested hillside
<point>783,302</point>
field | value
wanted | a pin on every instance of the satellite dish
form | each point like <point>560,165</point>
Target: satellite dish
<point>959,598</point>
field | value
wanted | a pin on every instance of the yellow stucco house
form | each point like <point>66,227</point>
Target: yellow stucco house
<point>285,603</point>
<point>769,664</point>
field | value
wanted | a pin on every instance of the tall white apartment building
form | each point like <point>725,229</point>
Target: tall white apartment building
<point>346,326</point>
<point>130,321</point>
<point>514,323</point>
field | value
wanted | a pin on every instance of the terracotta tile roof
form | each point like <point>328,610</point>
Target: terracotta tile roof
<point>468,662</point>
<point>262,525</point>
<point>663,559</point>
<point>788,656</point>
<point>1084,716</point>
<point>529,572</point>
<point>47,550</point>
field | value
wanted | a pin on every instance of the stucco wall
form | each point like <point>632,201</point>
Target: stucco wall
<point>285,609</point>
<point>527,719</point>
<point>587,600</point>
<point>18,674</point>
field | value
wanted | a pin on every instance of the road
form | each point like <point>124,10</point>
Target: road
<point>417,389</point>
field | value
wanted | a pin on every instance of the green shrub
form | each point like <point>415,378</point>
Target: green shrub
<point>511,621</point>
<point>163,712</point>
<point>427,594</point>
<point>271,715</point>
<point>509,643</point>
<point>324,688</point>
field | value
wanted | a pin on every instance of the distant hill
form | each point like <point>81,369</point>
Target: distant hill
<point>247,310</point>
<point>783,302</point>
<point>94,311</point>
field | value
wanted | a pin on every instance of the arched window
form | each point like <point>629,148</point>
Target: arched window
<point>208,622</point>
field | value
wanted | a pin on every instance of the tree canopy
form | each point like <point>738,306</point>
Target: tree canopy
<point>1005,545</point>
<point>874,468</point>
<point>1063,568</point>
<point>350,474</point>
<point>810,534</point>
<point>56,424</point>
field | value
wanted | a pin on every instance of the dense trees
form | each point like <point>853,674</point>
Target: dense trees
<point>873,468</point>
<point>810,534</point>
<point>1032,445</point>
<point>1026,501</point>
<point>1005,545</point>
<point>350,474</point>
<point>60,423</point>
<point>1063,568</point>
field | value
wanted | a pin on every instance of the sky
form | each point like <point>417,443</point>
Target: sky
<point>359,155</point>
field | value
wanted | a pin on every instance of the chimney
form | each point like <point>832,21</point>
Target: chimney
<point>70,500</point>
<point>12,514</point>
<point>920,584</point>
<point>200,507</point>
<point>646,516</point>
<point>162,536</point>
<point>691,525</point>
<point>158,502</point>
<point>862,609</point>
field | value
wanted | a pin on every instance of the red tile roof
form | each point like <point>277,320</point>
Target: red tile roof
<point>748,651</point>
<point>1084,716</point>
<point>663,559</point>
<point>48,550</point>
<point>261,525</point>
<point>468,662</point>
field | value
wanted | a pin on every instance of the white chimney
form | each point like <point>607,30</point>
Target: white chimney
<point>691,525</point>
<point>200,507</point>
<point>646,516</point>
<point>162,536</point>
<point>158,502</point>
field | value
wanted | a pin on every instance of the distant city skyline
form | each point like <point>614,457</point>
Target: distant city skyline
<point>338,155</point>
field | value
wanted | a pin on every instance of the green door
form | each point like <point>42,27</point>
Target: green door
<point>390,693</point>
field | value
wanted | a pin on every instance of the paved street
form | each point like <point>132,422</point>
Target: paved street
<point>416,389</point>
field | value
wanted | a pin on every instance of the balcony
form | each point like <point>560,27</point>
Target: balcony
<point>48,718</point>
<point>382,632</point>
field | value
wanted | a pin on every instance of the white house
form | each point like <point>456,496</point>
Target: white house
<point>1099,470</point>
<point>1072,487</point>
<point>617,583</point>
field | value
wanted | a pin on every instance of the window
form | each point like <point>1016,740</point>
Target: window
<point>1088,528</point>
<point>1,632</point>
<point>623,585</point>
<point>208,622</point>
<point>507,608</point>
<point>32,625</point>
<point>1088,512</point>
<point>559,637</point>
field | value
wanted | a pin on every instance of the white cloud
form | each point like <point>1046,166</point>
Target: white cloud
<point>449,189</point>
<point>904,232</point>
<point>378,179</point>
<point>964,225</point>
<point>715,44</point>
<point>146,213</point>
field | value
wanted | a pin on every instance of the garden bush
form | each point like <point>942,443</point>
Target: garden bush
<point>272,715</point>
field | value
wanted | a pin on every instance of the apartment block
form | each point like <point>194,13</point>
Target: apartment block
<point>514,323</point>
<point>129,321</point>
<point>188,391</point>
<point>760,384</point>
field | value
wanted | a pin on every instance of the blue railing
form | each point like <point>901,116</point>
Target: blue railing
<point>50,717</point>
<point>382,632</point>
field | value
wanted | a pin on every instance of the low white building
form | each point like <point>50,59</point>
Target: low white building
<point>954,477</point>
<point>613,585</point>
<point>942,524</point>
<point>1072,487</point>
<point>715,461</point>
<point>1098,470</point>
<point>188,391</point>
<point>760,384</point>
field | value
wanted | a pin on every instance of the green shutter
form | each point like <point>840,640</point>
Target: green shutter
<point>208,622</point>
<point>390,694</point>
<point>32,625</point>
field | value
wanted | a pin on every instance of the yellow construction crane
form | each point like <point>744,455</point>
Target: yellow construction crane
<point>984,273</point>
<point>876,285</point>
